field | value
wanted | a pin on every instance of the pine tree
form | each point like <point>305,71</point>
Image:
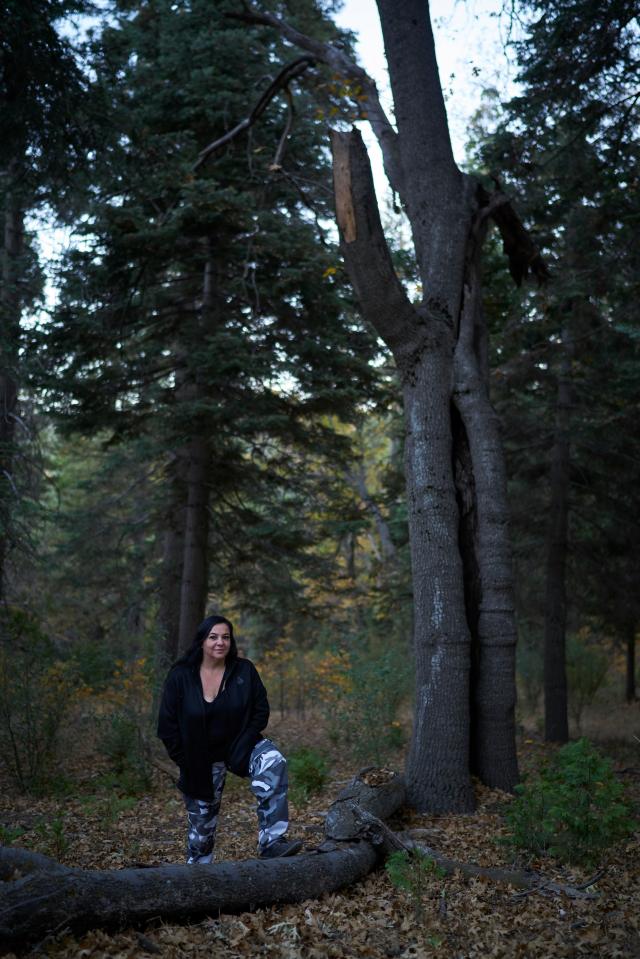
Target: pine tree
<point>43,133</point>
<point>202,309</point>
<point>569,145</point>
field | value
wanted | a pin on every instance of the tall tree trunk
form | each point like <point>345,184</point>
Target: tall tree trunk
<point>438,763</point>
<point>193,593</point>
<point>358,481</point>
<point>195,565</point>
<point>487,547</point>
<point>173,558</point>
<point>441,204</point>
<point>630,685</point>
<point>556,723</point>
<point>10,302</point>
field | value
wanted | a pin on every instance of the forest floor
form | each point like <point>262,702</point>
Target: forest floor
<point>94,827</point>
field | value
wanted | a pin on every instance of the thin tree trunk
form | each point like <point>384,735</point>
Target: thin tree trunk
<point>358,482</point>
<point>555,675</point>
<point>10,303</point>
<point>173,558</point>
<point>630,685</point>
<point>193,593</point>
<point>195,568</point>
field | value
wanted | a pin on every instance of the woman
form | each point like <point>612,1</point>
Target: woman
<point>213,710</point>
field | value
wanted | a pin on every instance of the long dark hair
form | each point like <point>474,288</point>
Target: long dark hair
<point>193,656</point>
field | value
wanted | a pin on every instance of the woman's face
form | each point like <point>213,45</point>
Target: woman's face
<point>217,644</point>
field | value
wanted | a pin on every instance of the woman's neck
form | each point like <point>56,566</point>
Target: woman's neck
<point>212,667</point>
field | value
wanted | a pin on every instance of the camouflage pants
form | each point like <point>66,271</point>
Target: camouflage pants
<point>269,783</point>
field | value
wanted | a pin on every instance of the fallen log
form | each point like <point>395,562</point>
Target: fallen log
<point>33,904</point>
<point>39,895</point>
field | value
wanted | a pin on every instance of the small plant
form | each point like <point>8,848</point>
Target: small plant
<point>587,667</point>
<point>412,871</point>
<point>123,743</point>
<point>116,805</point>
<point>575,810</point>
<point>8,834</point>
<point>309,771</point>
<point>54,836</point>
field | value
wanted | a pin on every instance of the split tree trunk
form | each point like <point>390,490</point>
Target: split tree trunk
<point>442,206</point>
<point>424,342</point>
<point>556,722</point>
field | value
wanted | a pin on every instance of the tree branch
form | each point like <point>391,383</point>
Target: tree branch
<point>522,253</point>
<point>288,73</point>
<point>341,64</point>
<point>277,160</point>
<point>528,882</point>
<point>357,481</point>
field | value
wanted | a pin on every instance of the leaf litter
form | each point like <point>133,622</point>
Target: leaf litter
<point>461,917</point>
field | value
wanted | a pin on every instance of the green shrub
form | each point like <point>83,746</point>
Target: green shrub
<point>36,692</point>
<point>364,717</point>
<point>308,771</point>
<point>412,871</point>
<point>122,740</point>
<point>93,659</point>
<point>530,670</point>
<point>575,810</point>
<point>587,667</point>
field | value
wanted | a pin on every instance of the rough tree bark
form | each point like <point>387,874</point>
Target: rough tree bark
<point>10,304</point>
<point>446,405</point>
<point>424,345</point>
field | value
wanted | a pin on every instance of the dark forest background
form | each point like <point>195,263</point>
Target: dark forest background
<point>199,419</point>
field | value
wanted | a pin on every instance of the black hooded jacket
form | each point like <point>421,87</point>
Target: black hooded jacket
<point>182,722</point>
